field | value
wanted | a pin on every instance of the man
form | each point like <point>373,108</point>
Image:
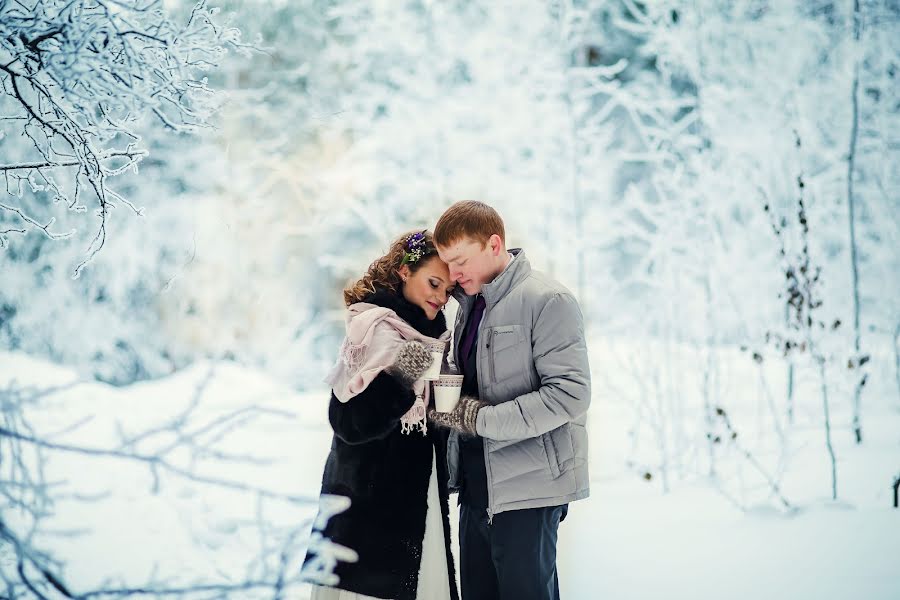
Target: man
<point>517,448</point>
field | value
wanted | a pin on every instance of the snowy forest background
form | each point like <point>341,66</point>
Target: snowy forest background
<point>188,188</point>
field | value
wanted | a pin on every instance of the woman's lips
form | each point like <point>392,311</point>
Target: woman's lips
<point>433,305</point>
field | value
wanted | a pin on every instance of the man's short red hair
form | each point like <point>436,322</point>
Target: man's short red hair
<point>468,218</point>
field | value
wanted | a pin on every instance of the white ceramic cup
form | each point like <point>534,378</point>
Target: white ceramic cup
<point>446,392</point>
<point>437,353</point>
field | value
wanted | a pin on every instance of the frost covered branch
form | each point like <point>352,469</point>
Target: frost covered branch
<point>29,495</point>
<point>75,79</point>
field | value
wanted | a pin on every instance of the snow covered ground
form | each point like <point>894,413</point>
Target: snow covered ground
<point>115,521</point>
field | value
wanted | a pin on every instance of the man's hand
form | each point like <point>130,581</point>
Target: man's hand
<point>462,418</point>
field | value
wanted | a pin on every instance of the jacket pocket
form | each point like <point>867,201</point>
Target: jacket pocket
<point>505,351</point>
<point>564,446</point>
<point>552,456</point>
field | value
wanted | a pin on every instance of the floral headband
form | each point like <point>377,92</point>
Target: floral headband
<point>416,248</point>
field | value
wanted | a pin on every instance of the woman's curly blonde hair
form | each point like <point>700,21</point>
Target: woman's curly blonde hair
<point>384,272</point>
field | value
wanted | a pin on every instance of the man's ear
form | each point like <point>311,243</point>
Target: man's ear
<point>496,243</point>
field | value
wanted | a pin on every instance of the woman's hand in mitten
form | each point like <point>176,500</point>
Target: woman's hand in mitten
<point>412,360</point>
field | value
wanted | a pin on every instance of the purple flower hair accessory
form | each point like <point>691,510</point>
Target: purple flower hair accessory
<point>416,248</point>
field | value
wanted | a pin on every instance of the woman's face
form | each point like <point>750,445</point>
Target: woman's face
<point>429,287</point>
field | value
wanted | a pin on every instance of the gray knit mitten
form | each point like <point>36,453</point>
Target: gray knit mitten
<point>411,361</point>
<point>462,418</point>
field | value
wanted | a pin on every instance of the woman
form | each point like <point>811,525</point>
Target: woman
<point>383,457</point>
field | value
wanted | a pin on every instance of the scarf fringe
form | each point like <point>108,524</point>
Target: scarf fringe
<point>352,354</point>
<point>415,418</point>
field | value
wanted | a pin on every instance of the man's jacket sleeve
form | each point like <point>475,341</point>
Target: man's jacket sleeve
<point>561,361</point>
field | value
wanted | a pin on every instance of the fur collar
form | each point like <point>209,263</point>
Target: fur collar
<point>409,312</point>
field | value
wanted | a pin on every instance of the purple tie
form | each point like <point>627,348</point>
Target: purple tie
<point>472,328</point>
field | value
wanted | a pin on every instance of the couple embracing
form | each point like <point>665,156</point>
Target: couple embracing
<point>514,447</point>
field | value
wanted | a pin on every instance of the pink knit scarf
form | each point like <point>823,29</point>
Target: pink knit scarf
<point>374,336</point>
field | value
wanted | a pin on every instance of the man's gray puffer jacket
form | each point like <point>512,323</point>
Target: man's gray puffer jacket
<point>532,365</point>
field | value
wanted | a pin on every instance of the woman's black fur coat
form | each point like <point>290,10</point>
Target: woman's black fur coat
<point>385,473</point>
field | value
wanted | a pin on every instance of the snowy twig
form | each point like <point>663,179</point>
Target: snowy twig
<point>83,72</point>
<point>38,573</point>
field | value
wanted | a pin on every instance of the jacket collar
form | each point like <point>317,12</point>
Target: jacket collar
<point>516,272</point>
<point>409,312</point>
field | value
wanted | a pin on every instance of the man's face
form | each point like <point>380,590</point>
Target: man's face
<point>472,264</point>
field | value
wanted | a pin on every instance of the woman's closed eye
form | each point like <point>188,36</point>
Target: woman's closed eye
<point>436,284</point>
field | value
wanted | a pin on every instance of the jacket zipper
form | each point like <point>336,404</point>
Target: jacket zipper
<point>487,469</point>
<point>491,355</point>
<point>487,463</point>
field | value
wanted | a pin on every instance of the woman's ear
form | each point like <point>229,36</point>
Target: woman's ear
<point>404,272</point>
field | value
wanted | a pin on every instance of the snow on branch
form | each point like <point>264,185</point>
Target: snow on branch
<point>75,78</point>
<point>33,485</point>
